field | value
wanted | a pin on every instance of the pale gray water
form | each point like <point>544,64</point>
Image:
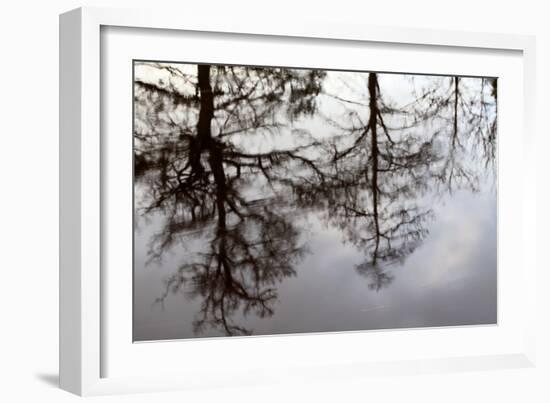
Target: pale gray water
<point>287,258</point>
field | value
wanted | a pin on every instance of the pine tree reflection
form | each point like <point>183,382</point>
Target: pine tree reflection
<point>240,270</point>
<point>201,178</point>
<point>458,115</point>
<point>374,187</point>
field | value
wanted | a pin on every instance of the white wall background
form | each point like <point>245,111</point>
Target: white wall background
<point>29,201</point>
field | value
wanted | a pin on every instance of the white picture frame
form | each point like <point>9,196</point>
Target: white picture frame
<point>83,310</point>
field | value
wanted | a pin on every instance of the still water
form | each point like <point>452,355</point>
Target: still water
<point>272,201</point>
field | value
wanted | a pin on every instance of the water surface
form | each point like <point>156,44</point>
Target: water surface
<point>272,201</point>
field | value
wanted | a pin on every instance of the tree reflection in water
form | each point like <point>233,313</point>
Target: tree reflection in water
<point>235,156</point>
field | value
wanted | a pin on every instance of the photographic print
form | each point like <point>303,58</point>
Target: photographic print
<point>276,200</point>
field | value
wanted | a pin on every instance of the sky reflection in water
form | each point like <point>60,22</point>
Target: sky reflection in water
<point>273,201</point>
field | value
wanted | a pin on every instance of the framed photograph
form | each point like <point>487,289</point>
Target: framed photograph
<point>249,202</point>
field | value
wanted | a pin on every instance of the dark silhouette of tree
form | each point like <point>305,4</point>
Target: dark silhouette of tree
<point>458,115</point>
<point>229,108</point>
<point>240,270</point>
<point>197,178</point>
<point>370,185</point>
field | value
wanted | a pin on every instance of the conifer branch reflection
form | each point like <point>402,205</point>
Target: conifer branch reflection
<point>220,155</point>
